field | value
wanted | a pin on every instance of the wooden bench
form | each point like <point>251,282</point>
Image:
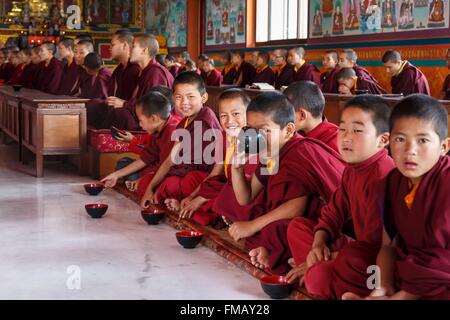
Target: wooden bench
<point>44,124</point>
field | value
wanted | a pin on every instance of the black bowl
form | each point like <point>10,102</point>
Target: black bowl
<point>94,188</point>
<point>96,211</point>
<point>189,239</point>
<point>153,216</point>
<point>277,287</point>
<point>17,87</point>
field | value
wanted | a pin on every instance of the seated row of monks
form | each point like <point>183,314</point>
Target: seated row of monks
<point>113,94</point>
<point>325,202</point>
<point>322,205</point>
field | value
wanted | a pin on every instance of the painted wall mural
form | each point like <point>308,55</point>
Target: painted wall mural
<point>358,17</point>
<point>167,18</point>
<point>225,22</point>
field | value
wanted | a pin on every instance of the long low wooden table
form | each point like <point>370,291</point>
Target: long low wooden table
<point>333,102</point>
<point>44,124</point>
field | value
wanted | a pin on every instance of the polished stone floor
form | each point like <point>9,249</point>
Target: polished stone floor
<point>51,249</point>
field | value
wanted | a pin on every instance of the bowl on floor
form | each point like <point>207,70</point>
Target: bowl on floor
<point>96,210</point>
<point>94,188</point>
<point>153,216</point>
<point>276,287</point>
<point>189,239</point>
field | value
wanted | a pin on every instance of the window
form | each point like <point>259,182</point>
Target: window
<point>281,20</point>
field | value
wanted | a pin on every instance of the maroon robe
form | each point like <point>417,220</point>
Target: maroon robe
<point>15,77</point>
<point>229,74</point>
<point>423,263</point>
<point>307,72</point>
<point>6,71</point>
<point>27,77</point>
<point>245,74</point>
<point>124,81</point>
<point>354,211</point>
<point>284,76</point>
<point>328,81</point>
<point>69,79</point>
<point>307,167</point>
<point>174,70</point>
<point>156,151</point>
<point>266,75</point>
<point>410,80</point>
<point>184,178</point>
<point>213,78</point>
<point>446,88</point>
<point>48,78</point>
<point>367,82</point>
<point>96,87</point>
<point>327,133</point>
<point>153,75</point>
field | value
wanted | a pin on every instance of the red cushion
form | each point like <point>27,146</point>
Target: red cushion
<point>102,141</point>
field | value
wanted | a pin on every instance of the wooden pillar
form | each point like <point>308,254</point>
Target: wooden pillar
<point>194,27</point>
<point>251,24</point>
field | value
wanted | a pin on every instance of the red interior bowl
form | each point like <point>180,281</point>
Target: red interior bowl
<point>154,211</point>
<point>153,216</point>
<point>189,234</point>
<point>96,206</point>
<point>96,210</point>
<point>94,188</point>
<point>275,280</point>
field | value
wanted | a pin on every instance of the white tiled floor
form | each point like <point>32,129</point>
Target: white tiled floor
<point>44,230</point>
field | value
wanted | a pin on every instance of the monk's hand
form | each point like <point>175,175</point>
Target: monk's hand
<point>318,253</point>
<point>191,207</point>
<point>125,136</point>
<point>148,199</point>
<point>242,229</point>
<point>297,274</point>
<point>111,180</point>
<point>115,102</point>
<point>344,90</point>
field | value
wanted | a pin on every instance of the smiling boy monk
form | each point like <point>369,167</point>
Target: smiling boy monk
<point>354,210</point>
<point>309,103</point>
<point>414,260</point>
<point>199,204</point>
<point>298,171</point>
<point>177,179</point>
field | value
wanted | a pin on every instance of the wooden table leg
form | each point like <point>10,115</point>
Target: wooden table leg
<point>39,165</point>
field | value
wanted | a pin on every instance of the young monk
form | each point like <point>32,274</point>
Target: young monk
<point>309,104</point>
<point>302,69</point>
<point>29,70</point>
<point>334,263</point>
<point>17,60</point>
<point>284,75</point>
<point>406,79</point>
<point>445,93</point>
<point>229,71</point>
<point>348,59</point>
<point>293,174</point>
<point>172,65</point>
<point>154,113</point>
<point>264,73</point>
<point>198,205</point>
<point>122,114</point>
<point>191,66</point>
<point>211,75</point>
<point>6,68</point>
<point>81,49</point>
<point>350,84</point>
<point>328,80</point>
<point>182,58</point>
<point>177,178</point>
<point>69,78</point>
<point>244,71</point>
<point>414,260</point>
<point>49,74</point>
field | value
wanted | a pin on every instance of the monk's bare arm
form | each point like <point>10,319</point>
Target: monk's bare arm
<point>163,169</point>
<point>111,180</point>
<point>244,190</point>
<point>403,295</point>
<point>288,210</point>
<point>386,262</point>
<point>217,169</point>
